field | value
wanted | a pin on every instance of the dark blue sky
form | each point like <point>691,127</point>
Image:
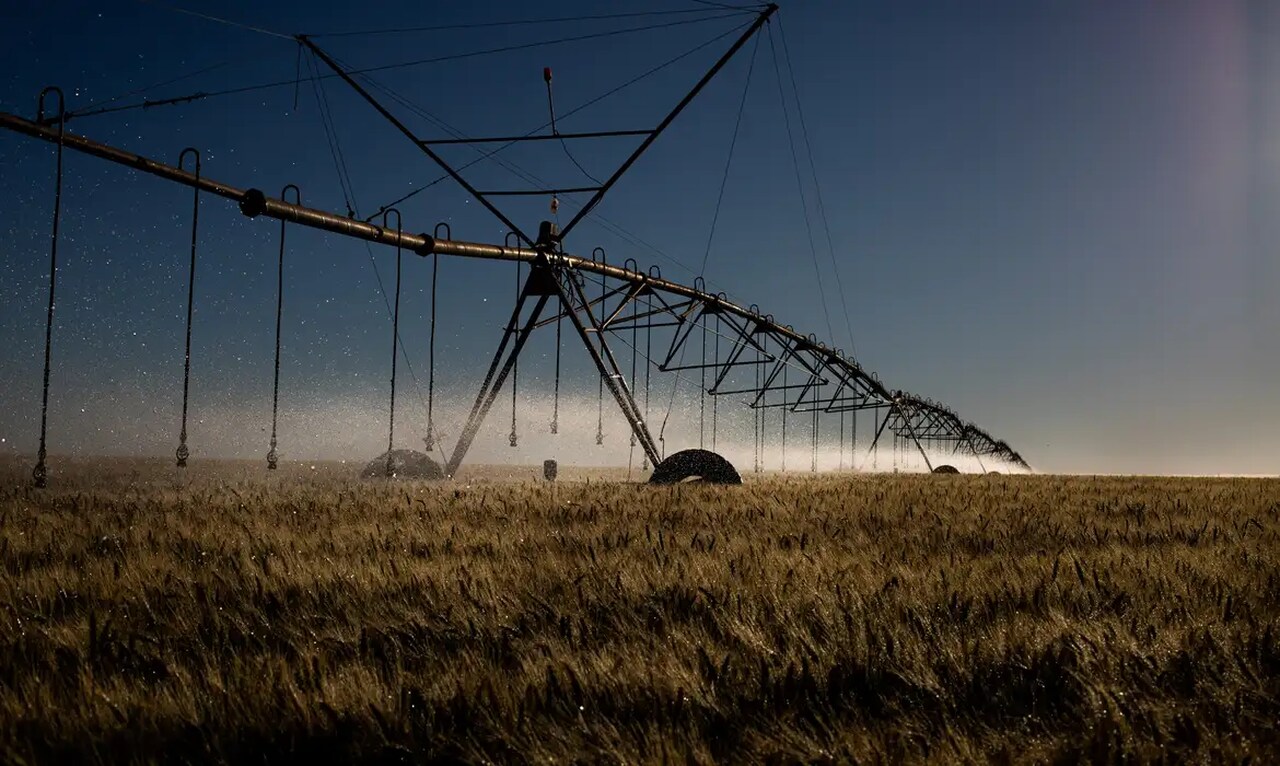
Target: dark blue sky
<point>1059,218</point>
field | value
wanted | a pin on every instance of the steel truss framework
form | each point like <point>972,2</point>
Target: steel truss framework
<point>737,352</point>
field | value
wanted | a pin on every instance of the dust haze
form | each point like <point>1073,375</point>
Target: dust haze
<point>354,429</point>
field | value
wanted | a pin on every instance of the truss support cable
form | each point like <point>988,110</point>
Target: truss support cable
<point>218,19</point>
<point>723,6</point>
<point>183,452</point>
<point>273,457</point>
<point>817,187</point>
<point>541,187</point>
<point>555,41</point>
<point>349,199</point>
<point>331,137</point>
<point>347,76</point>
<point>87,108</point>
<point>40,474</point>
<point>201,95</point>
<point>599,219</point>
<point>297,77</point>
<point>525,22</point>
<point>795,161</point>
<point>733,142</point>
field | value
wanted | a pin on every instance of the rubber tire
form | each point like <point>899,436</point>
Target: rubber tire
<point>946,469</point>
<point>407,464</point>
<point>702,464</point>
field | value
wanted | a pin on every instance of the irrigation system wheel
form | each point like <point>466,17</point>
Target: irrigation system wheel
<point>404,464</point>
<point>946,469</point>
<point>695,465</point>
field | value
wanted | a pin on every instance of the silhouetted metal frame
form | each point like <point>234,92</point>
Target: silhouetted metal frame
<point>768,11</point>
<point>819,365</point>
<point>597,192</point>
<point>497,375</point>
<point>426,149</point>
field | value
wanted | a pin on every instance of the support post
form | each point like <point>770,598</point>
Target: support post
<point>871,451</point>
<point>912,431</point>
<point>494,379</point>
<point>608,367</point>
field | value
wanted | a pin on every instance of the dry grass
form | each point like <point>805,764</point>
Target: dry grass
<point>310,617</point>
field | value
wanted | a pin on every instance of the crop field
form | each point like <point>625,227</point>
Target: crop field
<point>232,616</point>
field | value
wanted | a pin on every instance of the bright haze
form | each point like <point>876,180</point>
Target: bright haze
<point>1062,220</point>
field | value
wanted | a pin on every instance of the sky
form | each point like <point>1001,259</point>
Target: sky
<point>1059,218</point>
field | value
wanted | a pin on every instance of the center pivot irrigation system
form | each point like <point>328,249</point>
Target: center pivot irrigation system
<point>735,351</point>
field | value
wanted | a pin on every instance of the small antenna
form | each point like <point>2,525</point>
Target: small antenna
<point>546,75</point>
<point>551,106</point>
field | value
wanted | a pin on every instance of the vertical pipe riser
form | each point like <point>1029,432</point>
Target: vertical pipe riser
<point>273,457</point>
<point>183,452</point>
<point>40,474</point>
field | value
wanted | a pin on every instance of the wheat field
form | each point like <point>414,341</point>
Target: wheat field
<point>227,615</point>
